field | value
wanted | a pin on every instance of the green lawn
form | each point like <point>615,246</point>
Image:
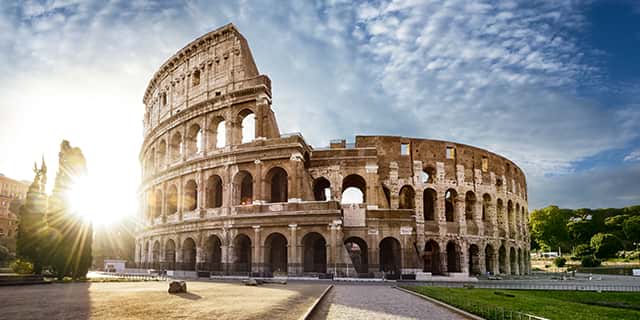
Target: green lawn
<point>549,304</point>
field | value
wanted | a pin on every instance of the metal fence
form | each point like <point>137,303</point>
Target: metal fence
<point>135,276</point>
<point>535,286</point>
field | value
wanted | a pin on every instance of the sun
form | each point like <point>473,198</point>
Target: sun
<point>94,201</point>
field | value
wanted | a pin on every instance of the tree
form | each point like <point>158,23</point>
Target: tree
<point>582,250</point>
<point>549,227</point>
<point>605,245</point>
<point>631,228</point>
<point>5,255</point>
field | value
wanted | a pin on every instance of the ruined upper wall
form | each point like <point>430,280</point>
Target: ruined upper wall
<point>211,66</point>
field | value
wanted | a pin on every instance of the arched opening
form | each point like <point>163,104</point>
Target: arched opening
<point>453,257</point>
<point>175,147</point>
<point>501,218</point>
<point>474,260</point>
<point>162,153</point>
<point>516,215</point>
<point>242,253</point>
<point>248,123</point>
<point>428,174</point>
<point>213,254</point>
<point>502,260</point>
<point>486,205</point>
<point>314,251</point>
<point>194,140</point>
<point>190,195</point>
<point>431,257</point>
<point>353,189</point>
<point>216,133</point>
<point>514,260</point>
<point>520,262</point>
<point>321,189</point>
<point>387,196</point>
<point>429,204</point>
<point>214,191</point>
<point>450,204</point>
<point>469,205</point>
<point>172,200</point>
<point>358,253</point>
<point>189,255</point>
<point>275,254</point>
<point>489,256</point>
<point>170,255</point>
<point>155,255</point>
<point>390,257</point>
<point>243,188</point>
<point>407,198</point>
<point>277,185</point>
<point>510,219</point>
<point>195,78</point>
<point>157,207</point>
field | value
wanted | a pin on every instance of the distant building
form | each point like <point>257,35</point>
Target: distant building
<point>10,190</point>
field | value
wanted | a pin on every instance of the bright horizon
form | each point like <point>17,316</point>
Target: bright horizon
<point>556,102</point>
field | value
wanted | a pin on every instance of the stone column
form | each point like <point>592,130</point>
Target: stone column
<point>256,265</point>
<point>199,257</point>
<point>258,193</point>
<point>482,260</point>
<point>332,257</point>
<point>464,257</point>
<point>507,258</point>
<point>225,258</point>
<point>295,180</point>
<point>459,213</point>
<point>440,213</point>
<point>372,191</point>
<point>293,259</point>
<point>201,192</point>
<point>373,248</point>
<point>477,217</point>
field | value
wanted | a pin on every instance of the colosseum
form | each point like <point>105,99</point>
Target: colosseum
<point>224,192</point>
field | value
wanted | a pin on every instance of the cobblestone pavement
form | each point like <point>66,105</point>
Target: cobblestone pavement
<point>372,302</point>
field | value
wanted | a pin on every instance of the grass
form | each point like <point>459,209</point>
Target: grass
<point>554,304</point>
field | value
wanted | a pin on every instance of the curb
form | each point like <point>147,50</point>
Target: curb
<point>442,304</point>
<point>307,315</point>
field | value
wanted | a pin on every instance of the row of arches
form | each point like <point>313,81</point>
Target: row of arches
<point>192,142</point>
<point>276,187</point>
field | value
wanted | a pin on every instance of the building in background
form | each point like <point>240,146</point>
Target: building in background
<point>10,190</point>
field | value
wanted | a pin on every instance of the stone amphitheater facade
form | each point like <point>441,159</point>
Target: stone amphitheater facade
<point>224,192</point>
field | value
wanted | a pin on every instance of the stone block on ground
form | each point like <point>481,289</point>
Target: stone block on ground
<point>177,287</point>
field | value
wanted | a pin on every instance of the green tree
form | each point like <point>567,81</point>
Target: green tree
<point>631,228</point>
<point>605,245</point>
<point>549,227</point>
<point>582,250</point>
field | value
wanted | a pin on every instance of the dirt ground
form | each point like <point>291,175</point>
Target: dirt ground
<point>150,300</point>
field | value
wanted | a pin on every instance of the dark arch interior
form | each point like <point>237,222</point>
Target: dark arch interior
<point>242,251</point>
<point>390,256</point>
<point>214,254</point>
<point>315,253</point>
<point>189,255</point>
<point>431,257</point>
<point>275,250</point>
<point>278,184</point>
<point>407,198</point>
<point>320,187</point>
<point>453,257</point>
<point>214,192</point>
<point>358,253</point>
<point>429,204</point>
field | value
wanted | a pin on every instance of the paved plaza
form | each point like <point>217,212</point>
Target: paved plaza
<point>373,302</point>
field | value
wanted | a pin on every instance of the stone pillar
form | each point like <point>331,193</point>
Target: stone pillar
<point>373,247</point>
<point>201,192</point>
<point>256,265</point>
<point>464,257</point>
<point>225,256</point>
<point>507,258</point>
<point>258,193</point>
<point>459,213</point>
<point>482,260</point>
<point>440,214</point>
<point>199,257</point>
<point>139,257</point>
<point>477,217</point>
<point>295,180</point>
<point>293,259</point>
<point>372,191</point>
<point>180,198</point>
<point>332,257</point>
<point>227,189</point>
<point>393,188</point>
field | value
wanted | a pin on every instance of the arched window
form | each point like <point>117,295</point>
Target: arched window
<point>486,205</point>
<point>314,253</point>
<point>275,253</point>
<point>407,198</point>
<point>188,254</point>
<point>170,255</point>
<point>158,204</point>
<point>277,185</point>
<point>469,205</point>
<point>176,146</point>
<point>353,189</point>
<point>428,175</point>
<point>194,140</point>
<point>172,200</point>
<point>195,78</point>
<point>217,133</point>
<point>453,257</point>
<point>214,192</point>
<point>243,188</point>
<point>449,205</point>
<point>248,123</point>
<point>429,204</point>
<point>191,195</point>
<point>242,253</point>
<point>162,153</point>
<point>163,99</point>
<point>321,189</point>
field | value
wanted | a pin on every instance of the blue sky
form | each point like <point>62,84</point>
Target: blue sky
<point>554,85</point>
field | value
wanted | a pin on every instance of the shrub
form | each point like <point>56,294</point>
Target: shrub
<point>582,250</point>
<point>605,245</point>
<point>560,261</point>
<point>5,255</point>
<point>22,267</point>
<point>590,261</point>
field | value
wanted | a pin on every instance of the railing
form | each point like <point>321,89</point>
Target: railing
<point>136,276</point>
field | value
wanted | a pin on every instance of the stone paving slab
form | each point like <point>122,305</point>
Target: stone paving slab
<point>372,302</point>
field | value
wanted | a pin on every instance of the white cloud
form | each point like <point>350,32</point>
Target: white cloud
<point>500,76</point>
<point>633,156</point>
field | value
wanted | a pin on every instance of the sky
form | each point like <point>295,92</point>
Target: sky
<point>554,85</point>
